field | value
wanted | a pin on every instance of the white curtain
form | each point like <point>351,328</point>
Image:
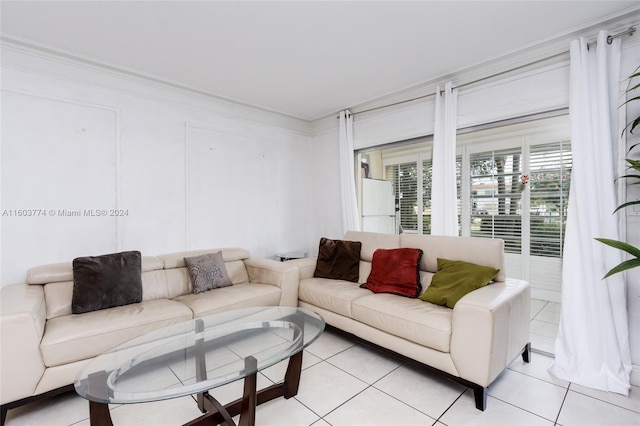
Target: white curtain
<point>350,220</point>
<point>592,347</point>
<point>444,208</point>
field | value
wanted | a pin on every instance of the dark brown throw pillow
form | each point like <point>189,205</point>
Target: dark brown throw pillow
<point>395,271</point>
<point>101,282</point>
<point>339,260</point>
<point>207,272</point>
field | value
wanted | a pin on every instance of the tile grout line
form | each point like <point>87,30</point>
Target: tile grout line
<point>393,397</point>
<point>524,409</point>
<point>562,405</point>
<point>602,400</point>
<point>450,406</point>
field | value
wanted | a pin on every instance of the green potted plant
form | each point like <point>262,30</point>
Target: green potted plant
<point>634,175</point>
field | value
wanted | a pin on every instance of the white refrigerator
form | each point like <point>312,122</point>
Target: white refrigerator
<point>378,206</point>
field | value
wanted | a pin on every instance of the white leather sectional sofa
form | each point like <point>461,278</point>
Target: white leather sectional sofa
<point>44,346</point>
<point>471,343</point>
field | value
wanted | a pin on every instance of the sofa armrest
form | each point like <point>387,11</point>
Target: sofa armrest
<point>490,327</point>
<point>307,266</point>
<point>22,322</point>
<point>281,274</point>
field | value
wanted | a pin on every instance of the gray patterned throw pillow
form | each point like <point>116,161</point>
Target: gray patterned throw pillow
<point>207,272</point>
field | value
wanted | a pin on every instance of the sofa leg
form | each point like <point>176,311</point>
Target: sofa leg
<point>41,397</point>
<point>526,353</point>
<point>480,395</point>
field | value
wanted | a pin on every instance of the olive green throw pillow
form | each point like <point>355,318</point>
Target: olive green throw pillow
<point>456,278</point>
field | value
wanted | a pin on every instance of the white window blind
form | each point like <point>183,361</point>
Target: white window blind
<point>549,178</point>
<point>427,174</point>
<point>405,182</point>
<point>496,207</point>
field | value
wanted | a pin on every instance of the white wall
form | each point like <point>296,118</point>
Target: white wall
<point>327,204</point>
<point>186,170</point>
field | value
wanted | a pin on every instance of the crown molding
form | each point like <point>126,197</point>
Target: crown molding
<point>32,57</point>
<point>536,55</point>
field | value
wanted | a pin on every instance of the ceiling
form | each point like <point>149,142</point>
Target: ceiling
<point>304,59</point>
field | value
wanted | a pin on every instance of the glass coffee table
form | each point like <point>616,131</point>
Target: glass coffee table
<point>192,357</point>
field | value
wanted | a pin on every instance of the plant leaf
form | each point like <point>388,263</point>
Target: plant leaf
<point>633,88</point>
<point>621,246</point>
<point>635,98</point>
<point>630,203</point>
<point>634,124</point>
<point>628,176</point>
<point>628,264</point>
<point>633,146</point>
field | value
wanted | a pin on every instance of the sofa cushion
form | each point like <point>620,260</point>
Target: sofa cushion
<point>72,338</point>
<point>372,241</point>
<point>233,297</point>
<point>332,295</point>
<point>101,282</point>
<point>395,271</point>
<point>412,319</point>
<point>455,279</point>
<point>176,260</point>
<point>483,251</point>
<point>338,259</point>
<point>207,272</point>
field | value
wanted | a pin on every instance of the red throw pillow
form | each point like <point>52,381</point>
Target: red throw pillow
<point>395,271</point>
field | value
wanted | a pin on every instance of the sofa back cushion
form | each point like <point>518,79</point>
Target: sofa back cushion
<point>371,241</point>
<point>481,251</point>
<point>163,277</point>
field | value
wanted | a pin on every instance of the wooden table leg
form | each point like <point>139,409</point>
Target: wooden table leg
<point>249,399</point>
<point>99,414</point>
<point>98,411</point>
<point>292,377</point>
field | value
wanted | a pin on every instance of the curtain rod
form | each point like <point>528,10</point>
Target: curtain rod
<point>630,31</point>
<point>610,38</point>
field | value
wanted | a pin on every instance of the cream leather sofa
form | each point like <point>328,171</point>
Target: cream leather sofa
<point>471,343</point>
<point>44,346</point>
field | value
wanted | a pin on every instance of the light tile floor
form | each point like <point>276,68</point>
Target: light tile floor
<point>545,319</point>
<point>347,382</point>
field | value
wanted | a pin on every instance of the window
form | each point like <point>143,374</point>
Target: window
<point>496,197</point>
<point>512,183</point>
<point>405,182</point>
<point>549,178</point>
<point>412,202</point>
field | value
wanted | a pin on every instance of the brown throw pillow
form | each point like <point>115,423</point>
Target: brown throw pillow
<point>101,282</point>
<point>339,260</point>
<point>395,271</point>
<point>207,272</point>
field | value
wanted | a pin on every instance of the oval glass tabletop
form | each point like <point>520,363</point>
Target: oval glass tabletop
<point>197,355</point>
